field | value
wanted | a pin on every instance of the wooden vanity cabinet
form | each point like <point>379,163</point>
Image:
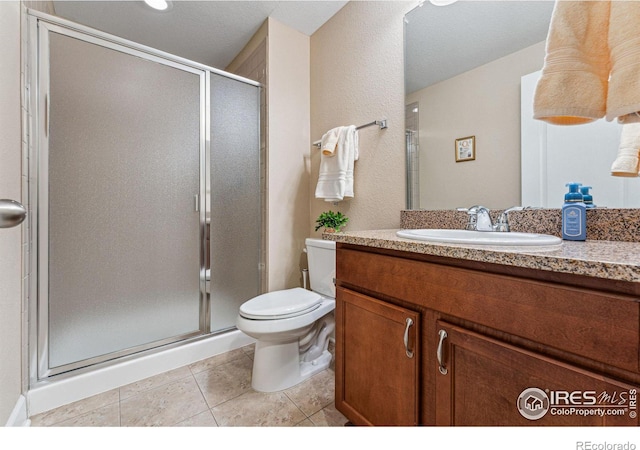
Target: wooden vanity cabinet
<point>377,360</point>
<point>507,329</point>
<point>482,378</point>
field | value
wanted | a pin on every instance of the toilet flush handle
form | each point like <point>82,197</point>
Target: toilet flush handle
<point>305,274</point>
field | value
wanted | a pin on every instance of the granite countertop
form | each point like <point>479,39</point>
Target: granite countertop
<point>612,260</point>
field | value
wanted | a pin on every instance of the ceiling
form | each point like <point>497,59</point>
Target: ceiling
<point>444,41</point>
<point>206,31</point>
<point>441,41</point>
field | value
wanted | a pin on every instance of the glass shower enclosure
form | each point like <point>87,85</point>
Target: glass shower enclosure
<point>145,197</point>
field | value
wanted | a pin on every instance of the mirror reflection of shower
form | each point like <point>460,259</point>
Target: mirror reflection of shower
<point>412,150</point>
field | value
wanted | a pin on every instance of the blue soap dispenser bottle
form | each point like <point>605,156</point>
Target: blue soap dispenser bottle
<point>574,214</point>
<point>587,198</point>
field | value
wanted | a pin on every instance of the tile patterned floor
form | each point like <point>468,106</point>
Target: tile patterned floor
<point>209,393</point>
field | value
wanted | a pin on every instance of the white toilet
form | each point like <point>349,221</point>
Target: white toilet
<point>292,327</point>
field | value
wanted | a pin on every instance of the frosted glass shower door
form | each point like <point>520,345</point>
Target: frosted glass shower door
<point>121,261</point>
<point>235,215</point>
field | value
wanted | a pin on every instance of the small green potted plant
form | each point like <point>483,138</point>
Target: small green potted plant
<point>331,221</point>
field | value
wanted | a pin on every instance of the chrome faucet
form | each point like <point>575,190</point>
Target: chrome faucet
<point>503,221</point>
<point>479,218</point>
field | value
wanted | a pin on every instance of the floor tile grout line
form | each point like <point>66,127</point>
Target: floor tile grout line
<point>214,417</point>
<point>294,403</point>
<point>196,414</point>
<point>78,414</point>
<point>119,408</point>
<point>210,410</point>
<point>204,397</point>
<point>226,401</point>
<point>241,355</point>
<point>217,366</point>
<point>154,387</point>
<point>222,403</point>
<point>83,414</point>
<point>132,398</point>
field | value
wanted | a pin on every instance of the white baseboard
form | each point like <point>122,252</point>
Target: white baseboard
<point>53,394</point>
<point>18,417</point>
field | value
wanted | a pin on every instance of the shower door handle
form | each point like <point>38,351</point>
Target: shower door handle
<point>12,213</point>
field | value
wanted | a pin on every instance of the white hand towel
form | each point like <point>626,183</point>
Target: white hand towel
<point>330,141</point>
<point>627,162</point>
<point>351,146</point>
<point>335,180</point>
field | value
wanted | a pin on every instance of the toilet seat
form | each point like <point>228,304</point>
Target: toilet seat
<point>281,304</point>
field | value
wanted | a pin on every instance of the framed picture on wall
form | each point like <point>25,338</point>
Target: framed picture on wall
<point>466,149</point>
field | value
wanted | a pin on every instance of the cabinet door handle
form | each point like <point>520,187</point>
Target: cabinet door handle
<point>409,353</point>
<point>441,367</point>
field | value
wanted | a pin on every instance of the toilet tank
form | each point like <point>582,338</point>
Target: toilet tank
<point>321,256</point>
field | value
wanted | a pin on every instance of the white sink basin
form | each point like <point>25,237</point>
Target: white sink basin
<point>479,237</point>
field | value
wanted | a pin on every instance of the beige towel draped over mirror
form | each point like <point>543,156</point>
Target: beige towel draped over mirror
<point>592,70</point>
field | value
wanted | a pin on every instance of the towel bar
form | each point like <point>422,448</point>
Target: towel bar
<point>382,123</point>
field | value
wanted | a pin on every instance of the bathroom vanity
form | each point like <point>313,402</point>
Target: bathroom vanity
<point>437,334</point>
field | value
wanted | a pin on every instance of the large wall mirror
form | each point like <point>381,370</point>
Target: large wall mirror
<point>470,71</point>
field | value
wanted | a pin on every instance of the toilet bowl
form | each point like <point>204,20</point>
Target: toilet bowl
<point>292,327</point>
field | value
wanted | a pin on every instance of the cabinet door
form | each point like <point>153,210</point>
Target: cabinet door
<point>377,361</point>
<point>482,381</point>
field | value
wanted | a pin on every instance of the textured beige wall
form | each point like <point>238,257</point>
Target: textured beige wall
<point>237,65</point>
<point>485,103</point>
<point>288,153</point>
<point>10,187</point>
<point>357,76</point>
